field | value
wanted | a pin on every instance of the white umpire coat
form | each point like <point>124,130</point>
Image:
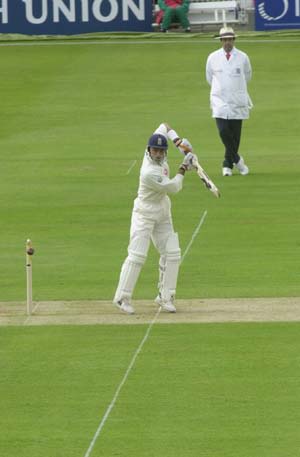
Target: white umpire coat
<point>229,98</point>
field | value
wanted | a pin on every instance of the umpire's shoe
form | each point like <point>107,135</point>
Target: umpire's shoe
<point>227,171</point>
<point>242,167</point>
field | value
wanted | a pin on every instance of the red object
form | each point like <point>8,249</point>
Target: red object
<point>173,3</point>
<point>159,16</point>
<point>228,55</point>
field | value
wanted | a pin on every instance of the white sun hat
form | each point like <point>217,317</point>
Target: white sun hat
<point>226,32</point>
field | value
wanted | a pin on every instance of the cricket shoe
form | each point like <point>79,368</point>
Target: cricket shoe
<point>125,306</point>
<point>242,167</point>
<point>227,171</point>
<point>166,305</point>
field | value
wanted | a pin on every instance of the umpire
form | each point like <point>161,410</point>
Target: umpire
<point>228,71</point>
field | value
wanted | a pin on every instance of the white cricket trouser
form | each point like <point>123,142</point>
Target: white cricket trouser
<point>158,227</point>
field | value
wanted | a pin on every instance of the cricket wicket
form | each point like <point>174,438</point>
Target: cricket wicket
<point>29,254</point>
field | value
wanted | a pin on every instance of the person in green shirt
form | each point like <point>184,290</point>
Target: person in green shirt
<point>174,11</point>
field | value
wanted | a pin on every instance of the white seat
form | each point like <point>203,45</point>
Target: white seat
<point>220,12</point>
<point>212,12</point>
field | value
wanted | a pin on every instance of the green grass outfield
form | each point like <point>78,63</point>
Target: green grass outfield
<point>74,122</point>
<point>74,119</point>
<point>196,390</point>
<point>209,390</point>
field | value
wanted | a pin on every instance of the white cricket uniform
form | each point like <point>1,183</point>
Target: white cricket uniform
<point>152,220</point>
<point>229,98</point>
<point>152,207</point>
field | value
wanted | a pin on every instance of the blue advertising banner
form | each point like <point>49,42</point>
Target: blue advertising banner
<point>277,14</point>
<point>71,17</point>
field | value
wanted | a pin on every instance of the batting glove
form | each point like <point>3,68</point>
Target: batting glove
<point>184,145</point>
<point>187,163</point>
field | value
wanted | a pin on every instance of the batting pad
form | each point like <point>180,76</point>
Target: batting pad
<point>161,271</point>
<point>173,257</point>
<point>137,254</point>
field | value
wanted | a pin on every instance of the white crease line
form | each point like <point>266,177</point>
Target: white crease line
<point>194,235</point>
<point>32,312</point>
<point>113,402</point>
<point>130,168</point>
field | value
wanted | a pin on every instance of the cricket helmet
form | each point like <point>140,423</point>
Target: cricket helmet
<point>158,141</point>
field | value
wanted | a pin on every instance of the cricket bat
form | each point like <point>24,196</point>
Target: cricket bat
<point>206,179</point>
<point>201,173</point>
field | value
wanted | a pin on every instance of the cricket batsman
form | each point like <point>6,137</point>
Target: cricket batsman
<point>152,220</point>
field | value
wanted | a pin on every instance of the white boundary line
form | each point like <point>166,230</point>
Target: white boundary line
<point>127,41</point>
<point>194,235</point>
<point>113,402</point>
<point>131,167</point>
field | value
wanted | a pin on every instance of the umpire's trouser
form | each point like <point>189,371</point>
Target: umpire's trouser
<point>230,133</point>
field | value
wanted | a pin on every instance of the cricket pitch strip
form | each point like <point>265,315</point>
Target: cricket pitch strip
<point>188,311</point>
